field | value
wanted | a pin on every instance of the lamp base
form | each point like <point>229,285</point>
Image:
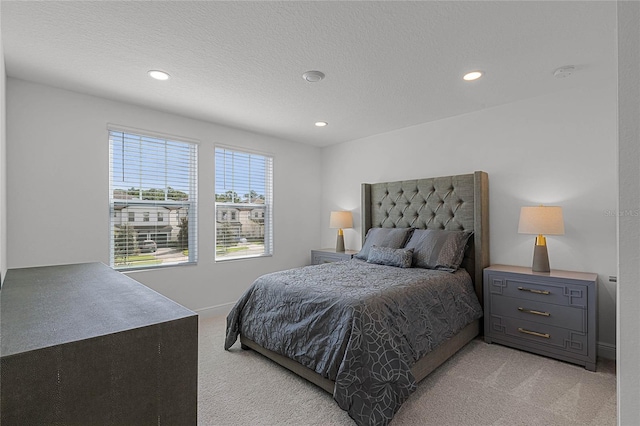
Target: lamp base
<point>340,243</point>
<point>540,259</point>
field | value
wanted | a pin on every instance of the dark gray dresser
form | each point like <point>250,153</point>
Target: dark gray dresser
<point>551,314</point>
<point>85,345</point>
<point>320,256</point>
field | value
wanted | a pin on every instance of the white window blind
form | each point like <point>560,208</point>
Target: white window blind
<point>152,198</point>
<point>244,204</point>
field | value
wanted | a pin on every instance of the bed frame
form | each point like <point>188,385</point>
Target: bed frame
<point>454,203</point>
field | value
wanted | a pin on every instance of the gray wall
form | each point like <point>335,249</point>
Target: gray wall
<point>3,163</point>
<point>629,208</point>
<point>557,149</point>
<point>57,147</point>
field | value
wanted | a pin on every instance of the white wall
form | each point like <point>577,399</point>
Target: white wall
<point>57,194</point>
<point>628,346</point>
<point>3,163</point>
<point>557,150</point>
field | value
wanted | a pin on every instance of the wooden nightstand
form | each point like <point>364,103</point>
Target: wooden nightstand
<point>328,255</point>
<point>551,314</point>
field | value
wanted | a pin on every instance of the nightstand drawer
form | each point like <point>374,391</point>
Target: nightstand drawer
<point>540,312</point>
<point>549,291</point>
<point>321,256</point>
<point>540,335</point>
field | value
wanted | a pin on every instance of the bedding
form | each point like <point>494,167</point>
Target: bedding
<point>438,249</point>
<point>383,237</point>
<point>402,258</point>
<point>360,324</point>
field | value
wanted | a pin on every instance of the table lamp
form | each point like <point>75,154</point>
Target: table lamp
<point>538,221</point>
<point>340,220</point>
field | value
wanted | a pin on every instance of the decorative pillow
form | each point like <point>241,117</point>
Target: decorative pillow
<point>401,258</point>
<point>436,249</point>
<point>383,237</point>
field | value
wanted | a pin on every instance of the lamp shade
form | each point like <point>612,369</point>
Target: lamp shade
<point>341,219</point>
<point>541,220</point>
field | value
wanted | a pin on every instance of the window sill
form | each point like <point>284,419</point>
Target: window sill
<point>232,258</point>
<point>153,267</point>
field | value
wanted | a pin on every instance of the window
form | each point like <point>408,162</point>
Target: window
<point>244,209</point>
<point>149,176</point>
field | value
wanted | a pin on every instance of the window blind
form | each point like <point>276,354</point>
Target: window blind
<point>152,198</point>
<point>244,204</point>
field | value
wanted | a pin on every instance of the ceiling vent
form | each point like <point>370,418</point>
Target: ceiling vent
<point>564,72</point>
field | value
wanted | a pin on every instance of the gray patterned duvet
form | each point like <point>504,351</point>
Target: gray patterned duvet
<point>359,324</point>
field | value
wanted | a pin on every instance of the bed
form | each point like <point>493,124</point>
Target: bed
<point>369,329</point>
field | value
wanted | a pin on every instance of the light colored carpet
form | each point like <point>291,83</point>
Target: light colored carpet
<point>481,385</point>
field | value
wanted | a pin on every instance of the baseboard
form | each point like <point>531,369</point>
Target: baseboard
<point>606,350</point>
<point>212,311</point>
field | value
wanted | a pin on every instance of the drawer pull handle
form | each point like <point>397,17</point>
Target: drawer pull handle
<point>530,311</point>
<point>531,290</point>
<point>545,335</point>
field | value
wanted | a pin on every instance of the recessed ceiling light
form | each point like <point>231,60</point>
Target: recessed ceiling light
<point>321,123</point>
<point>473,75</point>
<point>158,75</point>
<point>313,76</point>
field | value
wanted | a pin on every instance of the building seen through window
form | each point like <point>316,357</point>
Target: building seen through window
<point>153,198</point>
<point>244,206</point>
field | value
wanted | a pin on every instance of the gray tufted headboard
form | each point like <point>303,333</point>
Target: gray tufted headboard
<point>454,203</point>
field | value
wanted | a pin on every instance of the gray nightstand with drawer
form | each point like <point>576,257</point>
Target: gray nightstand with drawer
<point>551,314</point>
<point>328,255</point>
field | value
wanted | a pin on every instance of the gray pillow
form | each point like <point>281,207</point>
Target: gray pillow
<point>401,258</point>
<point>436,249</point>
<point>383,237</point>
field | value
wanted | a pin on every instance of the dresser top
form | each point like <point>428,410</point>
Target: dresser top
<point>555,273</point>
<point>51,305</point>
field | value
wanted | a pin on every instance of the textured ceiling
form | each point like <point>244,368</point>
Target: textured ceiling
<point>388,65</point>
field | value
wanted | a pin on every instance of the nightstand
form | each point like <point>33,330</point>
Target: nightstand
<point>551,314</point>
<point>328,255</point>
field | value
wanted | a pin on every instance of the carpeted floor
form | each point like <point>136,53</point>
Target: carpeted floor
<point>481,385</point>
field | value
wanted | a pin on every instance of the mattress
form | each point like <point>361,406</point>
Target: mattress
<point>359,324</point>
